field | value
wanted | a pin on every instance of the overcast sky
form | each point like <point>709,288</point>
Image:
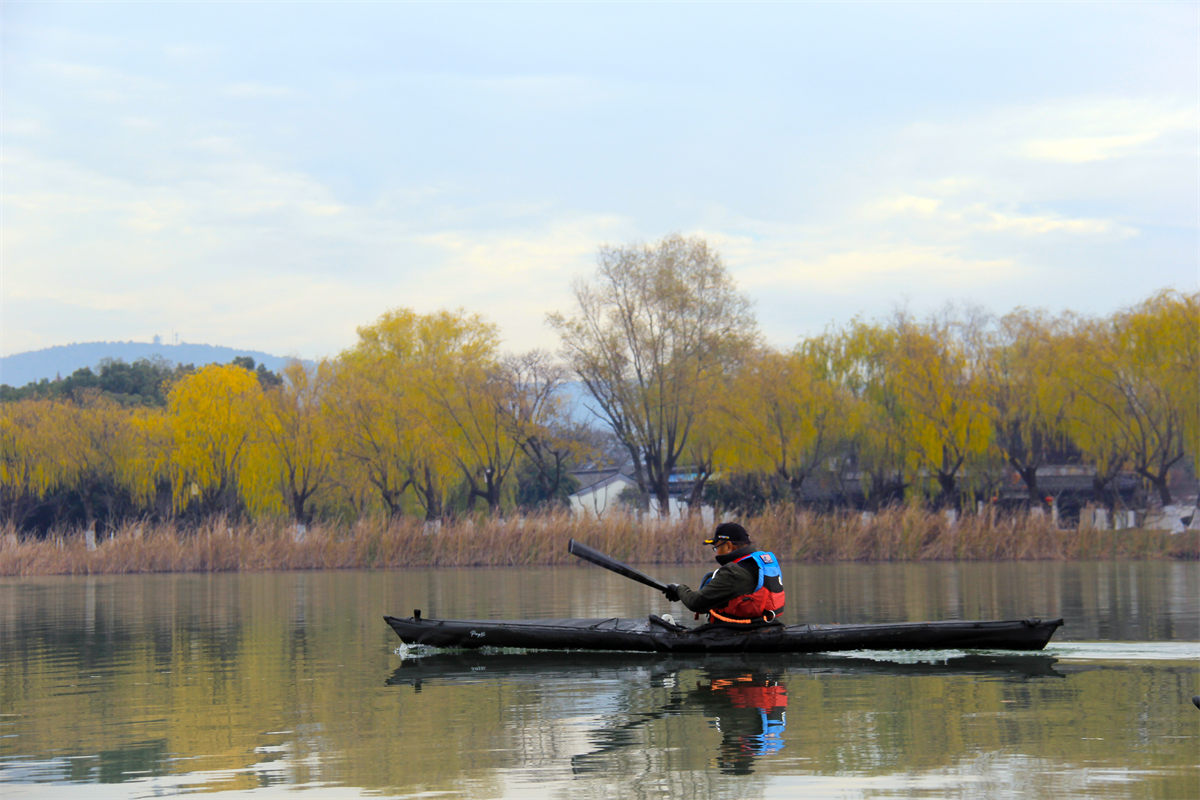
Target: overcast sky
<point>271,176</point>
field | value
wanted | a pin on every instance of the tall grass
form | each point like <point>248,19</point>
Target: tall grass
<point>900,534</point>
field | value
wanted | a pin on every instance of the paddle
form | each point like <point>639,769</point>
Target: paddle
<point>608,562</point>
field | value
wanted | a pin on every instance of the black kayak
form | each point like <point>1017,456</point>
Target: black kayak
<point>655,634</point>
<point>537,666</point>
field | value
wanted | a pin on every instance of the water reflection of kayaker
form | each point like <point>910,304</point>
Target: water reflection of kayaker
<point>750,711</point>
<point>746,588</point>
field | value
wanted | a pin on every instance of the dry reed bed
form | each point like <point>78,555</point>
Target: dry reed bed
<point>901,534</point>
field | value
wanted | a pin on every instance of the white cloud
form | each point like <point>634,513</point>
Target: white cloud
<point>861,269</point>
<point>237,245</point>
<point>1081,149</point>
<point>1087,131</point>
<point>484,175</point>
<point>907,204</point>
<point>1083,132</point>
<point>1029,224</point>
<point>968,217</point>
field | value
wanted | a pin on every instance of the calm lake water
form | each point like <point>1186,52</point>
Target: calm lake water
<point>272,683</point>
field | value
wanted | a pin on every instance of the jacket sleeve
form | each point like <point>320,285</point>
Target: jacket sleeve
<point>730,581</point>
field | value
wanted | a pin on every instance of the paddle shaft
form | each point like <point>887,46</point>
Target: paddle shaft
<point>608,562</point>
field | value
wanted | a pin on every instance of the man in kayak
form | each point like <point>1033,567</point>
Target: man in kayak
<point>746,588</point>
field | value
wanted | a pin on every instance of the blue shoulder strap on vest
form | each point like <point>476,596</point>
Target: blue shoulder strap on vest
<point>767,565</point>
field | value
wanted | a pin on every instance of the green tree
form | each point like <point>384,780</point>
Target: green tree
<point>266,377</point>
<point>144,382</point>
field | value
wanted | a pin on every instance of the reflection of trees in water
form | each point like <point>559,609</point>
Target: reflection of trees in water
<point>638,710</point>
<point>643,714</point>
<point>179,675</point>
<point>747,709</point>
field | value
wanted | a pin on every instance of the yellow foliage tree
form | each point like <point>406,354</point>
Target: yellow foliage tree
<point>102,454</point>
<point>468,400</point>
<point>942,394</point>
<point>878,431</point>
<point>393,397</point>
<point>292,459</point>
<point>925,408</point>
<point>1026,399</point>
<point>1160,346</point>
<point>213,416</point>
<point>30,450</point>
<point>786,413</point>
<point>1136,389</point>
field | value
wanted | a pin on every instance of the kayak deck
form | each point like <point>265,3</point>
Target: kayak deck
<point>653,634</point>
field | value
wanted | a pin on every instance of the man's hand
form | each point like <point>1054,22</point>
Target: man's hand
<point>672,592</point>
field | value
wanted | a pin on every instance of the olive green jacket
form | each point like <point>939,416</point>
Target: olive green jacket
<point>728,582</point>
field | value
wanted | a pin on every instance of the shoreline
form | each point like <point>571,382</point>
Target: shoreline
<point>893,535</point>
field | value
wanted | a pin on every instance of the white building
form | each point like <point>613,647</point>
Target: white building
<point>599,490</point>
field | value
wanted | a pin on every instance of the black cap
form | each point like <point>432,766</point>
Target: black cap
<point>729,532</point>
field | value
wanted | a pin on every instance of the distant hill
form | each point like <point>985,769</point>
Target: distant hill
<point>54,362</point>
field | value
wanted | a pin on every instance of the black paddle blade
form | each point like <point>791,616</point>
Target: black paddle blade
<point>610,563</point>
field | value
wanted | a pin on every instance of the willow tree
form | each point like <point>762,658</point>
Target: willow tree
<point>1137,391</point>
<point>31,463</point>
<point>151,457</point>
<point>652,335</point>
<point>213,415</point>
<point>467,400</point>
<point>786,413</point>
<point>1160,342</point>
<point>1096,413</point>
<point>879,434</point>
<point>102,454</point>
<point>942,393</point>
<point>1026,399</point>
<point>418,407</point>
<point>293,459</point>
<point>382,424</point>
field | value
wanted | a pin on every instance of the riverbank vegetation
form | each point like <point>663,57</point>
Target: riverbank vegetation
<point>426,422</point>
<point>895,534</point>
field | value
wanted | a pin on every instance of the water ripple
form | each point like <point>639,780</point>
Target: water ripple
<point>1126,651</point>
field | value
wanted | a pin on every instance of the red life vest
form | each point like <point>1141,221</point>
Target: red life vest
<point>764,603</point>
<point>746,692</point>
